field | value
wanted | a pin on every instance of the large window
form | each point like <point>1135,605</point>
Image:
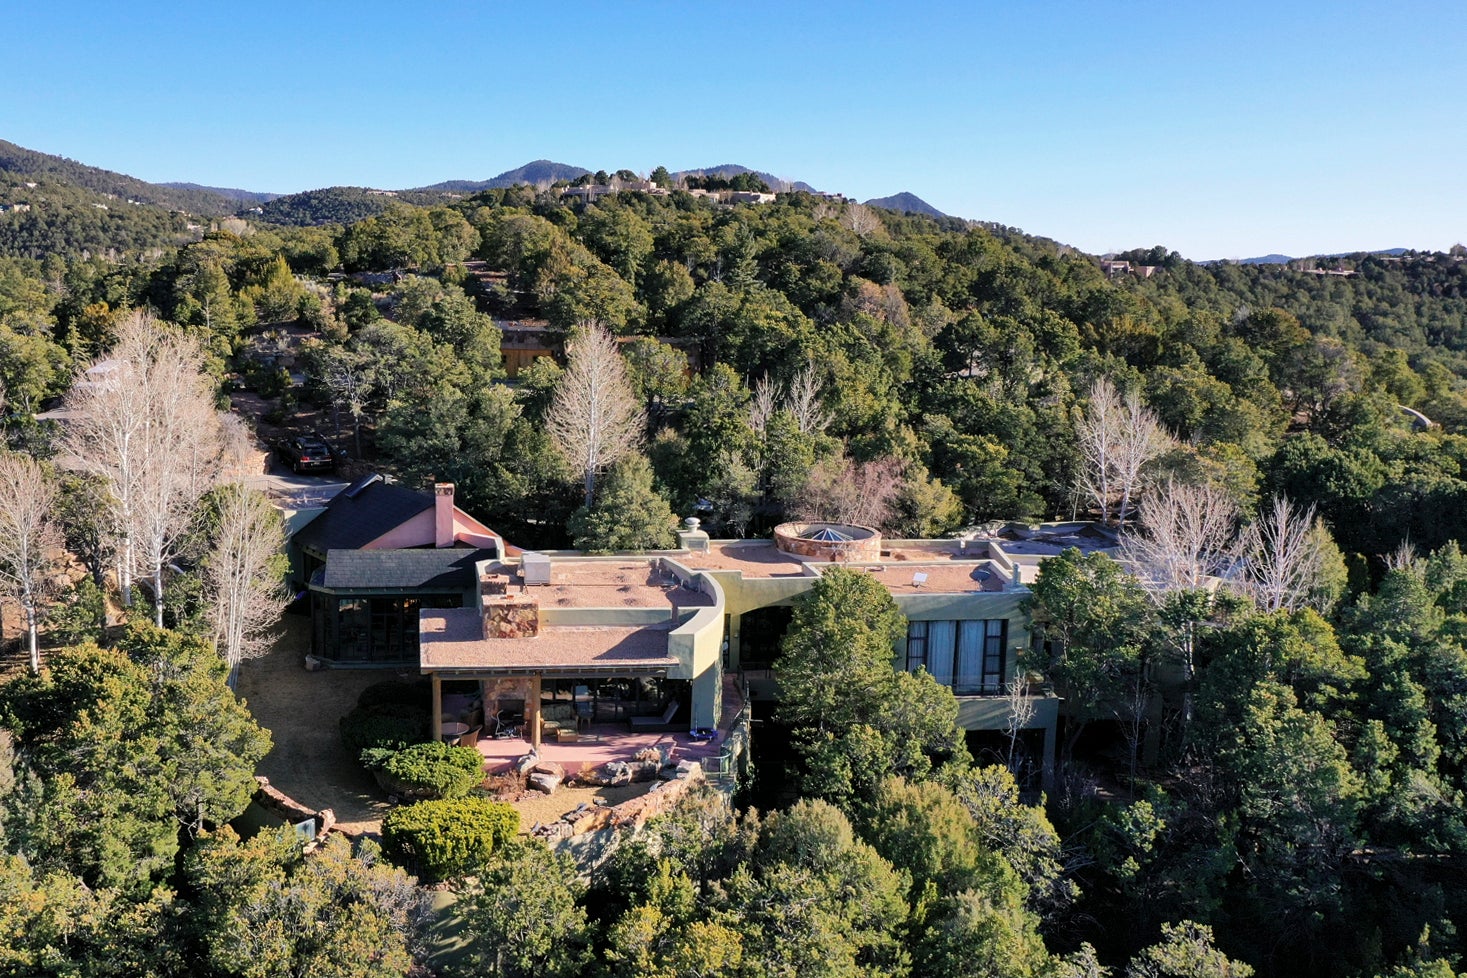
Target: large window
<point>966,655</point>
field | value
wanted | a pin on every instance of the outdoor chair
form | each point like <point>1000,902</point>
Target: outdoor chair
<point>662,722</point>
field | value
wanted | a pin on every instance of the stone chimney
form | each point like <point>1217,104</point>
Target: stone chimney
<point>511,616</point>
<point>443,514</point>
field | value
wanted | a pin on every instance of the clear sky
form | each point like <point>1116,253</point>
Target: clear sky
<point>1220,130</point>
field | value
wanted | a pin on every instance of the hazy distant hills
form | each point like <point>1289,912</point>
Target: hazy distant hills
<point>906,202</point>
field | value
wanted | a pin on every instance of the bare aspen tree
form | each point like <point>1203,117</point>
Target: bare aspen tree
<point>243,576</point>
<point>1186,540</point>
<point>1022,710</point>
<point>802,400</point>
<point>1139,439</point>
<point>143,420</point>
<point>762,404</point>
<point>1283,557</point>
<point>1118,436</point>
<point>182,446</point>
<point>594,418</point>
<point>861,219</point>
<point>1098,429</point>
<point>105,436</point>
<point>29,540</point>
<point>351,381</point>
<point>1403,558</point>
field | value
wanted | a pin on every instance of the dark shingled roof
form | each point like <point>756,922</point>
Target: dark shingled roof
<point>361,513</point>
<point>446,569</point>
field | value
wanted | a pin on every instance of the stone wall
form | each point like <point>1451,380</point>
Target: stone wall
<point>511,616</point>
<point>864,547</point>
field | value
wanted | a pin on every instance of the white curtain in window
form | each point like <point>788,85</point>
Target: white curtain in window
<point>970,654</point>
<point>941,639</point>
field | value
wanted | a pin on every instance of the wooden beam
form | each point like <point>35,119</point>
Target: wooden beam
<point>437,707</point>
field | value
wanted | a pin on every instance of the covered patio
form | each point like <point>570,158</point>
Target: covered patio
<point>598,743</point>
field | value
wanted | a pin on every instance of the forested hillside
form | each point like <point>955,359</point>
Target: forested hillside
<point>1294,801</point>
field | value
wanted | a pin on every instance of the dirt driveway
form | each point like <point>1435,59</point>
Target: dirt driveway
<point>301,710</point>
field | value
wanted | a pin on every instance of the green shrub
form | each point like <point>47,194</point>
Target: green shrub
<point>431,770</point>
<point>439,839</point>
<point>391,727</point>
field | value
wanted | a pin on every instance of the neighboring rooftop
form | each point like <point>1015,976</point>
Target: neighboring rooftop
<point>1047,541</point>
<point>360,513</point>
<point>453,638</point>
<point>448,569</point>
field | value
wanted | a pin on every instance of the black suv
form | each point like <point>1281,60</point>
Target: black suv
<point>307,453</point>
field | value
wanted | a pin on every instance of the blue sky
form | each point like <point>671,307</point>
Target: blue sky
<point>1220,130</point>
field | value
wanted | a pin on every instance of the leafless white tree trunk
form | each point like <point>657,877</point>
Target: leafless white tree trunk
<point>860,219</point>
<point>1022,708</point>
<point>242,574</point>
<point>1283,557</point>
<point>181,448</point>
<point>105,435</point>
<point>29,540</point>
<point>595,418</point>
<point>762,405</point>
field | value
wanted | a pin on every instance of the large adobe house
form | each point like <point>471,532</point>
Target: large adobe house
<point>544,636</point>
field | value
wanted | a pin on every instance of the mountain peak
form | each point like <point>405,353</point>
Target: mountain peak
<point>906,202</point>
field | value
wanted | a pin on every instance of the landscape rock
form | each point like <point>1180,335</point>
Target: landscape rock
<point>527,763</point>
<point>551,768</point>
<point>544,782</point>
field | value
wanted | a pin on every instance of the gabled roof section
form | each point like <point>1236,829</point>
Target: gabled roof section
<point>361,513</point>
<point>430,569</point>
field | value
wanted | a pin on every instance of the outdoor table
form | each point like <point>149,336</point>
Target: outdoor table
<point>452,730</point>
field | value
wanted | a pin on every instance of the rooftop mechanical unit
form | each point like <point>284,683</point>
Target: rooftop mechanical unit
<point>535,568</point>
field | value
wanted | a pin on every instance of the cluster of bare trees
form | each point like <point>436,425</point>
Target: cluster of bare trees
<point>143,420</point>
<point>1118,435</point>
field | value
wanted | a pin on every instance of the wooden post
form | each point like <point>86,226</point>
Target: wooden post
<point>532,712</point>
<point>437,707</point>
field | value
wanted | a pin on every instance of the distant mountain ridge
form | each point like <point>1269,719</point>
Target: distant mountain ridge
<point>734,169</point>
<point>243,196</point>
<point>906,202</point>
<point>1277,259</point>
<point>28,162</point>
<point>533,173</point>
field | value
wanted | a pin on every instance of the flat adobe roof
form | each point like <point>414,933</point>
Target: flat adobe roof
<point>452,639</point>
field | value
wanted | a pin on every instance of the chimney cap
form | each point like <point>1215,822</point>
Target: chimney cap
<point>692,522</point>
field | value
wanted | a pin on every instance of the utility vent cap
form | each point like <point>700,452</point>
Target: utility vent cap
<point>535,568</point>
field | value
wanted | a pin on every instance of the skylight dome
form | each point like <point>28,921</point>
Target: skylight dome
<point>826,534</point>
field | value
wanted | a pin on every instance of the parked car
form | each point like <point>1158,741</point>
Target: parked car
<point>307,453</point>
